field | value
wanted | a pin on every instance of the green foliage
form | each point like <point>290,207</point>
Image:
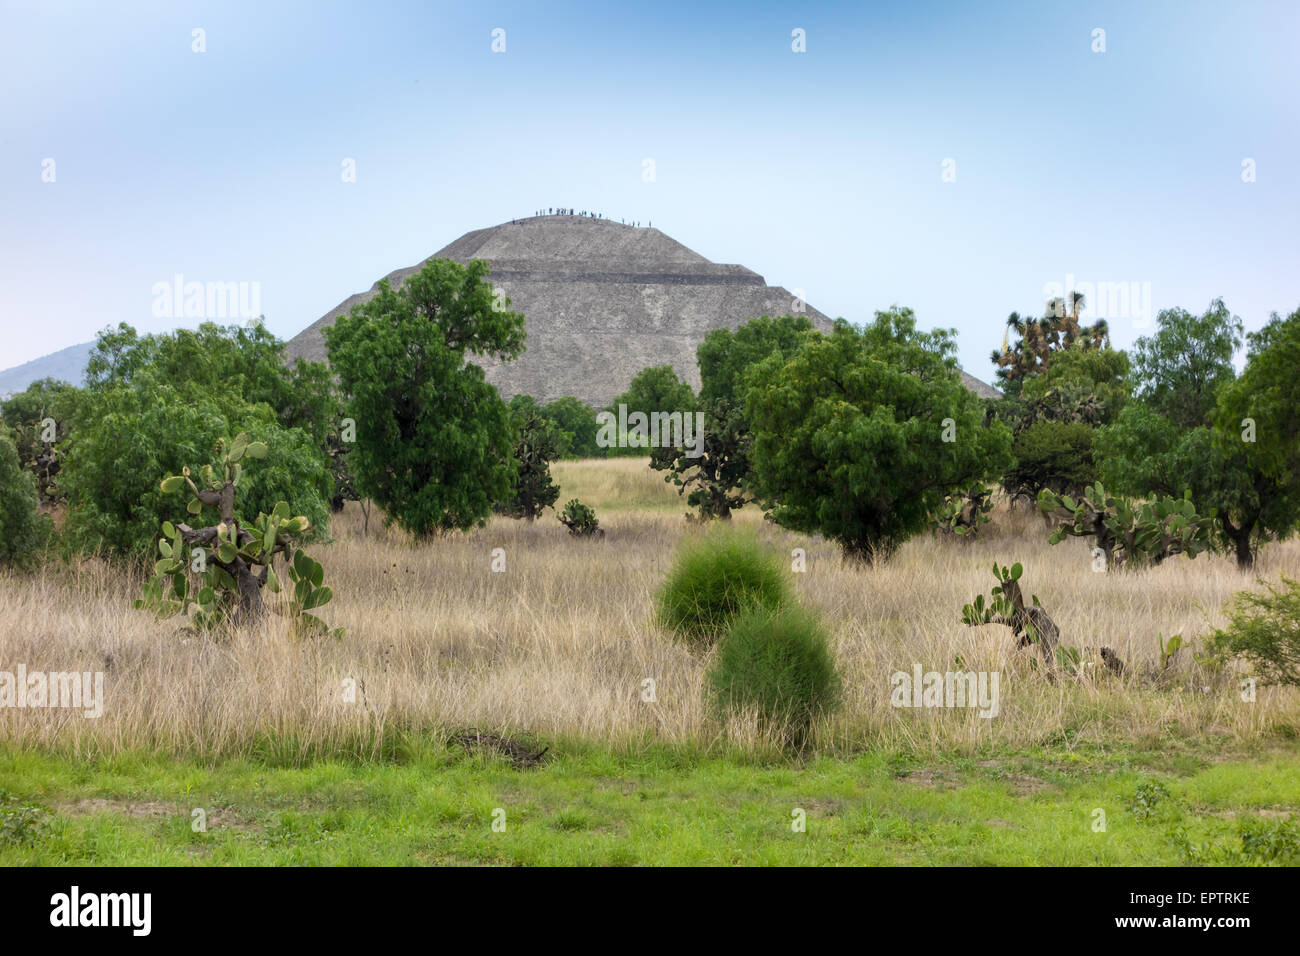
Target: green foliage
<point>1051,455</point>
<point>1030,623</point>
<point>1128,533</point>
<point>1001,605</point>
<point>23,532</point>
<point>1041,342</point>
<point>1264,628</point>
<point>580,520</point>
<point>1237,457</point>
<point>21,822</point>
<point>536,446</point>
<point>1169,648</point>
<point>725,357</point>
<point>654,389</point>
<point>778,661</point>
<point>1271,841</point>
<point>124,436</point>
<point>849,433</point>
<point>964,513</point>
<point>714,577</point>
<point>1147,799</point>
<point>434,440</point>
<point>38,418</point>
<point>244,359</point>
<point>716,478</point>
<point>575,426</point>
<point>232,560</point>
<point>1184,364</point>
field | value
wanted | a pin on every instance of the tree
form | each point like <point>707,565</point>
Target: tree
<point>575,423</point>
<point>653,389</point>
<point>156,403</point>
<point>1053,455</point>
<point>1182,367</point>
<point>244,359</point>
<point>716,477</point>
<point>1239,464</point>
<point>22,530</point>
<point>1042,340</point>
<point>536,446</point>
<point>124,437</point>
<point>434,444</point>
<point>861,434</point>
<point>38,417</point>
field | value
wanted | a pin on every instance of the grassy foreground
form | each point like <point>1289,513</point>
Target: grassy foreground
<point>333,752</point>
<point>1170,806</point>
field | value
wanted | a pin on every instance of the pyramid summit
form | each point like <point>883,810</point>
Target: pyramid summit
<point>601,301</point>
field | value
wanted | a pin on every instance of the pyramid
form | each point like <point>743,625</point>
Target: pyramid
<point>601,301</point>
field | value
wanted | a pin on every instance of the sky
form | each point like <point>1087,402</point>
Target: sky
<point>959,159</point>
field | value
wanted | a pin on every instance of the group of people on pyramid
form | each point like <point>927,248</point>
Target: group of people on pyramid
<point>567,211</point>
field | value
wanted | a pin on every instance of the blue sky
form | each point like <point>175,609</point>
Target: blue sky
<point>820,170</point>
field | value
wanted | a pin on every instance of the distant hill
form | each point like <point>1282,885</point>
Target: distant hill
<point>66,365</point>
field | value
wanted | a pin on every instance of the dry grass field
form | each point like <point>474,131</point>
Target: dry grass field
<point>559,643</point>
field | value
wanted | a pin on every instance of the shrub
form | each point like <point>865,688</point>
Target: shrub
<point>777,661</point>
<point>714,578</point>
<point>580,520</point>
<point>1264,629</point>
<point>23,532</point>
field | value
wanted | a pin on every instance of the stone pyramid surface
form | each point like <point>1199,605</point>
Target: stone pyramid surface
<point>601,300</point>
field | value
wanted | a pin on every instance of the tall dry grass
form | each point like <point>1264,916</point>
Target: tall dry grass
<point>560,643</point>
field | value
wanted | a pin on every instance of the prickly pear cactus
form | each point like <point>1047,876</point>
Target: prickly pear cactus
<point>1031,625</point>
<point>581,520</point>
<point>1145,533</point>
<point>965,512</point>
<point>232,563</point>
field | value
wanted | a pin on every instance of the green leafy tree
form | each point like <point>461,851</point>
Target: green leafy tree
<point>23,532</point>
<point>1184,364</point>
<point>1239,463</point>
<point>1053,455</point>
<point>38,417</point>
<point>715,478</point>
<point>653,389</point>
<point>434,443</point>
<point>861,434</point>
<point>124,436</point>
<point>575,423</point>
<point>536,446</point>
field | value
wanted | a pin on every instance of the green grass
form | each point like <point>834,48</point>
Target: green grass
<point>590,806</point>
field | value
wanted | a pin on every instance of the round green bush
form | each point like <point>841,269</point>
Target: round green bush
<point>777,661</point>
<point>715,577</point>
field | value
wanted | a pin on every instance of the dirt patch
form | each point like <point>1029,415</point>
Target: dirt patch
<point>1264,813</point>
<point>932,778</point>
<point>221,818</point>
<point>1022,785</point>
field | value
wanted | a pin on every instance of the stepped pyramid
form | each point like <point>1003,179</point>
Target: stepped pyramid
<point>601,301</point>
